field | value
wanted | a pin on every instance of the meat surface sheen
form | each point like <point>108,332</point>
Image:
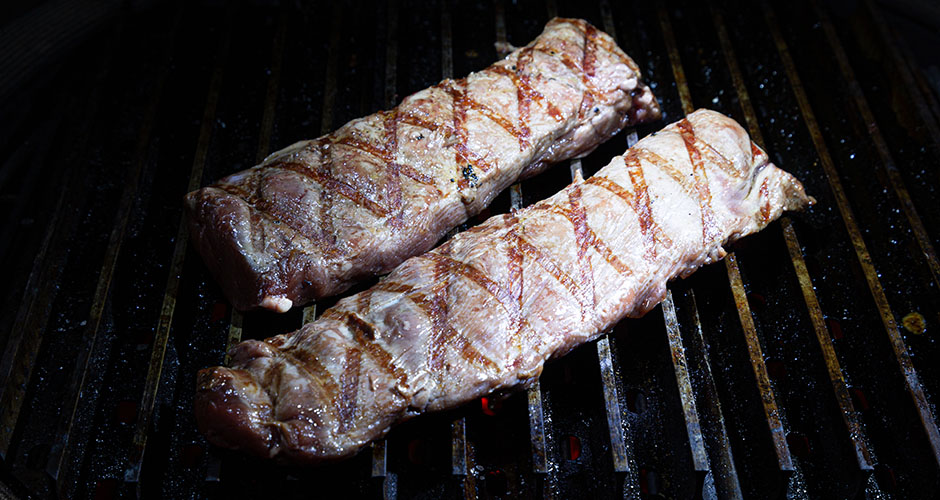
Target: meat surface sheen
<point>317,217</point>
<point>484,311</point>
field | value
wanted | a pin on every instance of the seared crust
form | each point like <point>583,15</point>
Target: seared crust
<point>321,215</point>
<point>484,311</point>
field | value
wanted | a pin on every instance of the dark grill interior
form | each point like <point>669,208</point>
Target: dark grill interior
<point>802,366</point>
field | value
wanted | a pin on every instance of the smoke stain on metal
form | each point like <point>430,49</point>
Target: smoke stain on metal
<point>887,160</point>
<point>61,450</point>
<point>165,321</point>
<point>849,415</point>
<point>901,353</point>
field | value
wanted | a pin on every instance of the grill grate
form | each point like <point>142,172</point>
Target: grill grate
<point>802,369</point>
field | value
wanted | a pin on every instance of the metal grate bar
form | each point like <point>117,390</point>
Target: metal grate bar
<point>41,287</point>
<point>459,447</point>
<point>771,411</point>
<point>607,17</point>
<point>680,365</point>
<point>458,437</point>
<point>847,409</point>
<point>236,325</point>
<point>622,454</point>
<point>378,458</point>
<point>537,429</point>
<point>61,450</point>
<point>391,87</point>
<point>329,97</point>
<point>165,321</point>
<point>768,401</point>
<point>264,144</point>
<point>861,250</point>
<point>725,475</point>
<point>274,82</point>
<point>620,449</point>
<point>552,7</point>
<point>887,161</point>
<point>540,459</point>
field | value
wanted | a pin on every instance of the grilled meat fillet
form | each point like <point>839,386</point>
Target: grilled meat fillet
<point>317,217</point>
<point>484,311</point>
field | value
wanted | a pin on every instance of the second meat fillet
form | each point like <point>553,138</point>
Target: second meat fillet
<point>484,311</point>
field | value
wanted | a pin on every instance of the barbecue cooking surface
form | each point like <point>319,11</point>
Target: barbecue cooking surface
<point>109,313</point>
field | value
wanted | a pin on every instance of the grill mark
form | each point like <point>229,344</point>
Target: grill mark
<point>411,173</point>
<point>526,93</point>
<point>639,200</point>
<point>709,228</point>
<point>442,335</point>
<point>327,232</point>
<point>331,184</point>
<point>545,262</point>
<point>435,307</point>
<point>765,204</point>
<point>460,103</point>
<point>311,366</point>
<point>261,207</point>
<point>515,284</point>
<point>590,57</point>
<point>720,161</point>
<point>417,121</point>
<point>524,88</point>
<point>589,88</point>
<point>578,219</point>
<point>363,302</point>
<point>755,151</point>
<point>436,310</point>
<point>500,120</point>
<point>588,60</point>
<point>362,146</point>
<point>642,207</point>
<point>472,273</point>
<point>364,335</point>
<point>349,395</point>
<point>453,266</point>
<point>373,150</point>
<point>611,49</point>
<point>393,170</point>
<point>597,244</point>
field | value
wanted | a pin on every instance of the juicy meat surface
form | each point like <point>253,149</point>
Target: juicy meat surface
<point>484,311</point>
<point>317,217</point>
